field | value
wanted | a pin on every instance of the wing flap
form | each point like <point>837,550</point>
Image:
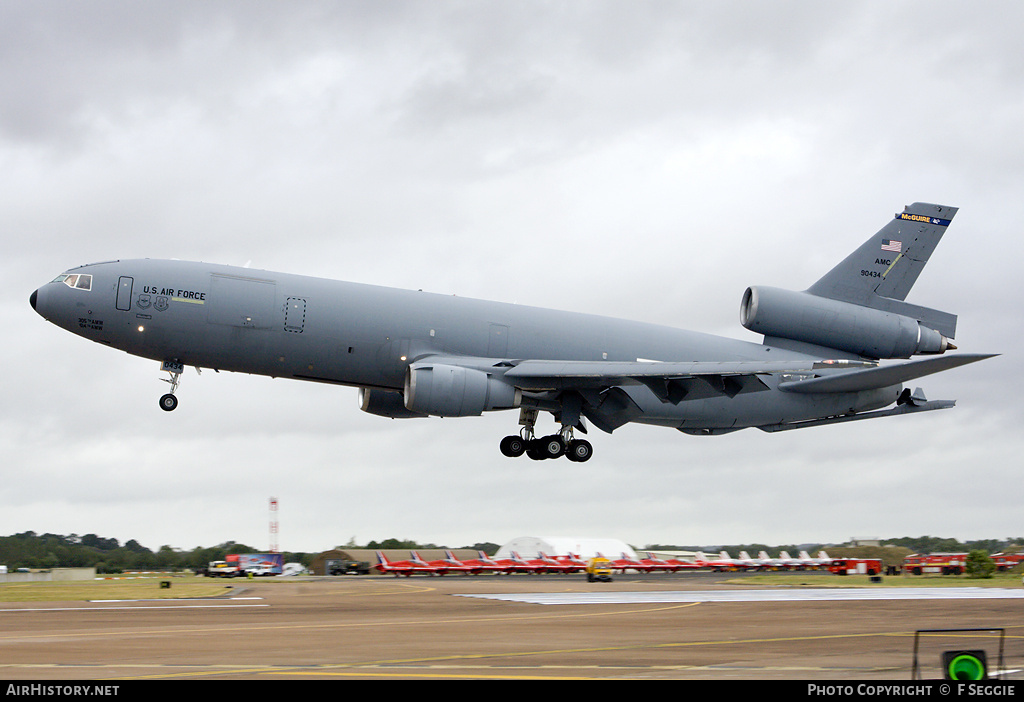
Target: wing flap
<point>701,387</point>
<point>632,372</point>
<point>894,412</point>
<point>671,382</point>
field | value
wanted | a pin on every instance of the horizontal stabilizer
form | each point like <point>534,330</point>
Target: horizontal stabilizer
<point>881,376</point>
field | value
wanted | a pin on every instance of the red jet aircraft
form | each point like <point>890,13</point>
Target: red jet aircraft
<point>450,564</point>
<point>723,562</point>
<point>517,564</point>
<point>672,565</point>
<point>406,568</point>
<point>483,564</point>
<point>624,563</point>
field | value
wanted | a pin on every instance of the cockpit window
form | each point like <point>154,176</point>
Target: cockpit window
<point>82,281</point>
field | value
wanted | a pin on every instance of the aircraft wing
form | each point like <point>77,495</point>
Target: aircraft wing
<point>594,388</point>
<point>863,379</point>
<point>670,381</point>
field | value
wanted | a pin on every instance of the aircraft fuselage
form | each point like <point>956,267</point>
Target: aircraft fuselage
<point>417,354</point>
<point>290,326</point>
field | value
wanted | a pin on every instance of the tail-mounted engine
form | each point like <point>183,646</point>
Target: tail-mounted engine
<point>865,331</point>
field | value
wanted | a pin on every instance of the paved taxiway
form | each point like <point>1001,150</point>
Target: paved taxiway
<point>470,627</point>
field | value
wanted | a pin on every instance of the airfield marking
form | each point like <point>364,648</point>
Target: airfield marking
<point>429,665</point>
<point>282,627</point>
<point>404,666</point>
<point>804,595</point>
<point>402,663</point>
<point>184,599</point>
<point>468,672</point>
<point>128,609</point>
<point>416,588</point>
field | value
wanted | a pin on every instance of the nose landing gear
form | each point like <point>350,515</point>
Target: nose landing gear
<point>168,402</point>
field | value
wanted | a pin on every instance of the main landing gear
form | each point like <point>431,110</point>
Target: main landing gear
<point>553,446</point>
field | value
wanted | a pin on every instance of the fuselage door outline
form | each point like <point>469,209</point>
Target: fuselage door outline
<point>295,315</point>
<point>124,293</point>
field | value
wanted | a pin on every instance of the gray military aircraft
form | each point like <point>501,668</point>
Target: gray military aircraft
<point>416,354</point>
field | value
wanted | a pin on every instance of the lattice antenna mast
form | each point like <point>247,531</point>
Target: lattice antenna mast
<point>273,525</point>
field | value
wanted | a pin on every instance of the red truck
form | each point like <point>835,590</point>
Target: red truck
<point>1006,561</point>
<point>856,566</point>
<point>935,563</point>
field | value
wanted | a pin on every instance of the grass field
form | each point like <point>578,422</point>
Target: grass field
<point>139,589</point>
<point>818,580</point>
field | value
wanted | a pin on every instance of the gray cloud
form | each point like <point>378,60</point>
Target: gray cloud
<point>645,161</point>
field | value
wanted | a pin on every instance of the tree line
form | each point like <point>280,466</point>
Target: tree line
<point>914,544</point>
<point>31,550</point>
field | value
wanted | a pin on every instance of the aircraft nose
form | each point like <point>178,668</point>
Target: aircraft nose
<point>38,301</point>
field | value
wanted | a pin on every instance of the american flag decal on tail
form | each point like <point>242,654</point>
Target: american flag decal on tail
<point>892,245</point>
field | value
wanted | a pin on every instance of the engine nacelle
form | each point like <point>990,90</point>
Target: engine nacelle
<point>864,331</point>
<point>384,403</point>
<point>453,391</point>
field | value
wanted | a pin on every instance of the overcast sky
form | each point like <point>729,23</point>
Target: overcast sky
<point>645,160</point>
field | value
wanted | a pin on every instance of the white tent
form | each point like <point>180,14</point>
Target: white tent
<point>533,546</point>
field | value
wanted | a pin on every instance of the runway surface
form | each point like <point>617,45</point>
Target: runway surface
<point>644,627</point>
<point>800,595</point>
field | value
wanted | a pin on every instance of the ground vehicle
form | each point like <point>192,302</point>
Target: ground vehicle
<point>223,569</point>
<point>1006,561</point>
<point>344,567</point>
<point>259,571</point>
<point>856,566</point>
<point>944,563</point>
<point>599,570</point>
<point>257,563</point>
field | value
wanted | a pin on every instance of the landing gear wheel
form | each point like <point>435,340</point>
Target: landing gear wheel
<point>535,449</point>
<point>513,446</point>
<point>168,402</point>
<point>579,451</point>
<point>552,446</point>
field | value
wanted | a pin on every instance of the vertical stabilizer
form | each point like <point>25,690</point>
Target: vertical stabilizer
<point>882,271</point>
<point>888,264</point>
